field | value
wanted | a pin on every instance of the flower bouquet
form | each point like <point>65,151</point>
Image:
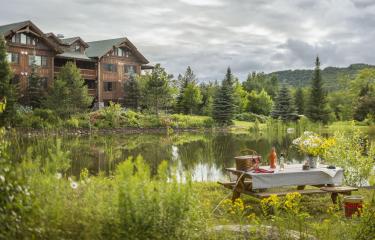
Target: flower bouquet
<point>313,145</point>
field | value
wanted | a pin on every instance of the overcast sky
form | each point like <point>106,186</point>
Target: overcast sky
<point>209,35</point>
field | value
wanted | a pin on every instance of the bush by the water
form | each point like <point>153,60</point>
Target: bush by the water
<point>250,117</point>
<point>113,116</point>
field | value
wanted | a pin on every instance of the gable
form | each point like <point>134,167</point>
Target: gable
<point>101,48</point>
<point>27,33</point>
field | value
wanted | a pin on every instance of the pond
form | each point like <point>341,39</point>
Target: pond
<point>204,154</point>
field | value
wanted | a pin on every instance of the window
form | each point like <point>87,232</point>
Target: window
<point>119,52</point>
<point>13,58</point>
<point>23,39</point>
<point>90,84</point>
<point>77,48</point>
<point>110,67</point>
<point>127,53</point>
<point>30,40</point>
<point>130,69</point>
<point>108,86</point>
<point>41,61</point>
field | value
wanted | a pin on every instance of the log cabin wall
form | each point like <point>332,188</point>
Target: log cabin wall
<point>21,68</point>
<point>117,78</point>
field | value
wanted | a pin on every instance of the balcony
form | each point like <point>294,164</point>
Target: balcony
<point>92,92</point>
<point>86,73</point>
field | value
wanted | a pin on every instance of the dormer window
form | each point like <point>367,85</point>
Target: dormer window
<point>119,52</point>
<point>77,48</point>
<point>23,38</point>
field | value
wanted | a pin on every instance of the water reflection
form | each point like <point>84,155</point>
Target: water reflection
<point>205,155</point>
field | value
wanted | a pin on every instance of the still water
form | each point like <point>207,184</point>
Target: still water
<point>204,154</point>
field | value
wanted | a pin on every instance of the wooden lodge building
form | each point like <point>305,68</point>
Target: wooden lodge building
<point>105,65</point>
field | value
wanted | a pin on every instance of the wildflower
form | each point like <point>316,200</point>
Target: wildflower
<point>58,175</point>
<point>2,178</point>
<point>74,185</point>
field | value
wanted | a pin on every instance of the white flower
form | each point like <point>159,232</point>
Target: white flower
<point>74,185</point>
<point>290,130</point>
<point>306,142</point>
<point>2,178</point>
<point>297,141</point>
<point>58,175</point>
<point>308,133</point>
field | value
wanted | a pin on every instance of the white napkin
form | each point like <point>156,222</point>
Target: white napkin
<point>330,172</point>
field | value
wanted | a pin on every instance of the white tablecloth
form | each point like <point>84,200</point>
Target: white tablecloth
<point>293,175</point>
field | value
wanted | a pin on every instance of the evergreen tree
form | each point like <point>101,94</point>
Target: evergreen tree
<point>283,108</point>
<point>317,104</point>
<point>188,78</point>
<point>132,93</point>
<point>299,100</point>
<point>7,89</point>
<point>156,90</point>
<point>35,89</point>
<point>69,94</point>
<point>223,105</point>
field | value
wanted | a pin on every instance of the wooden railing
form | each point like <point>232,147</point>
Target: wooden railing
<point>92,92</point>
<point>86,73</point>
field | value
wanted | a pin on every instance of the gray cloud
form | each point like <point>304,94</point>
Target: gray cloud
<point>211,35</point>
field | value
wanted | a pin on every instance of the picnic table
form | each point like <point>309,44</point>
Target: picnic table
<point>254,183</point>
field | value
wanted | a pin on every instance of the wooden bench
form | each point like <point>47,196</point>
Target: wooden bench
<point>247,190</point>
<point>230,185</point>
<point>335,191</point>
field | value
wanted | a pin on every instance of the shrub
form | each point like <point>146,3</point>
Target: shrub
<point>72,122</point>
<point>250,117</point>
<point>355,153</point>
<point>151,208</point>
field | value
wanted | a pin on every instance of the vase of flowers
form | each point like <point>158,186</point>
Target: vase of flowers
<point>313,146</point>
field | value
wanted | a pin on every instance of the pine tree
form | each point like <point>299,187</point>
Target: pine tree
<point>156,90</point>
<point>69,94</point>
<point>35,92</point>
<point>317,104</point>
<point>299,100</point>
<point>188,78</point>
<point>132,93</point>
<point>223,106</point>
<point>7,89</point>
<point>283,108</point>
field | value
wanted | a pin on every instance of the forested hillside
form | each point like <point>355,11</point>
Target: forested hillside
<point>330,75</point>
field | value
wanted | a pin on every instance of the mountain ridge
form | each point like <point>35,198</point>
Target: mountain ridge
<point>330,75</point>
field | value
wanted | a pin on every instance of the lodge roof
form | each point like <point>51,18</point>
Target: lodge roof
<point>71,40</point>
<point>74,55</point>
<point>102,47</point>
<point>95,49</point>
<point>8,29</point>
